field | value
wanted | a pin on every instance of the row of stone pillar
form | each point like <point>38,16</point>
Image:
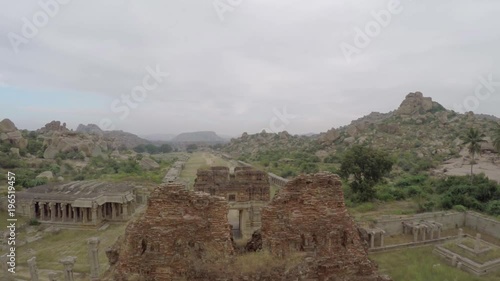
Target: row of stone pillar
<point>67,262</point>
<point>64,212</point>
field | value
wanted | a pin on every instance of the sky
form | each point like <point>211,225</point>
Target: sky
<point>234,66</point>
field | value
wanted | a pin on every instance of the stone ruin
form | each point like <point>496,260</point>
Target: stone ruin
<point>179,230</point>
<point>185,235</point>
<point>247,191</point>
<point>309,215</point>
<point>464,253</point>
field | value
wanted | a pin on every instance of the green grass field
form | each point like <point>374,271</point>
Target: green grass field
<point>200,160</point>
<point>420,264</point>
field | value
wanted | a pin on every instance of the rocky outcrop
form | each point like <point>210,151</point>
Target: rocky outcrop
<point>90,129</point>
<point>53,126</point>
<point>147,163</point>
<point>415,103</point>
<point>10,133</point>
<point>61,142</point>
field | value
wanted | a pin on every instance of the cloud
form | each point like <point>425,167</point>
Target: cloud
<point>230,75</point>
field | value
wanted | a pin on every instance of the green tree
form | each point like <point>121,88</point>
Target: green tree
<point>166,148</point>
<point>473,140</point>
<point>366,166</point>
<point>496,138</point>
<point>192,147</point>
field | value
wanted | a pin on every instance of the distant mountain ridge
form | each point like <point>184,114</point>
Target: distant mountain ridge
<point>198,137</point>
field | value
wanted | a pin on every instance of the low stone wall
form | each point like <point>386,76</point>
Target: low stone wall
<point>482,224</point>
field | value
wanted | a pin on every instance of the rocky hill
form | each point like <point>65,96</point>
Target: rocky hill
<point>420,127</point>
<point>113,138</point>
<point>198,137</point>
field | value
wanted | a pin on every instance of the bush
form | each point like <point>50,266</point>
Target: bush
<point>34,222</point>
<point>459,208</point>
<point>493,208</point>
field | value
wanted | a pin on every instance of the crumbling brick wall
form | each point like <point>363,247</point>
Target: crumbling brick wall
<point>179,231</point>
<point>246,184</point>
<point>309,215</point>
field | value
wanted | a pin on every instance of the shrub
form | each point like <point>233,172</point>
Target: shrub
<point>34,222</point>
<point>459,208</point>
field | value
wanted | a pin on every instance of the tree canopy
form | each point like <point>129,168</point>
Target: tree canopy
<point>365,167</point>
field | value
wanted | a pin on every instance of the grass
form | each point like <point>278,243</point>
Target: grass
<point>69,242</point>
<point>420,264</point>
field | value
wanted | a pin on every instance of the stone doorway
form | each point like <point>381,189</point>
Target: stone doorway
<point>234,218</point>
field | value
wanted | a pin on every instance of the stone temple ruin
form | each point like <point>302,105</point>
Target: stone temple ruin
<point>247,190</point>
<point>78,203</point>
<point>473,255</point>
<point>185,235</point>
<point>178,230</point>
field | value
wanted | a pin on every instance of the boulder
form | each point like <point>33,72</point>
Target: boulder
<point>14,152</point>
<point>148,164</point>
<point>414,104</point>
<point>47,174</point>
<point>7,126</point>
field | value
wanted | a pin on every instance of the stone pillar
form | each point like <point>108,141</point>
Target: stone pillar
<point>52,276</point>
<point>5,269</point>
<point>52,207</point>
<point>454,261</point>
<point>125,211</point>
<point>41,206</point>
<point>32,210</point>
<point>94,215</point>
<point>33,269</point>
<point>64,209</point>
<point>439,233</point>
<point>372,241</point>
<point>94,257</point>
<point>477,244</point>
<point>415,234</point>
<point>113,211</point>
<point>424,230</point>
<point>381,239</point>
<point>459,265</point>
<point>460,235</point>
<point>75,214</point>
<point>84,214</point>
<point>68,263</point>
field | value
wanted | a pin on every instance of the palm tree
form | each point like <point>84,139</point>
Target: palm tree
<point>496,138</point>
<point>473,139</point>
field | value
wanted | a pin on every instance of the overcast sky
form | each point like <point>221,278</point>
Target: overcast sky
<point>240,65</point>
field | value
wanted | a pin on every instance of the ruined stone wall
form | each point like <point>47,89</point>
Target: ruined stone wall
<point>309,215</point>
<point>179,231</point>
<point>246,184</point>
